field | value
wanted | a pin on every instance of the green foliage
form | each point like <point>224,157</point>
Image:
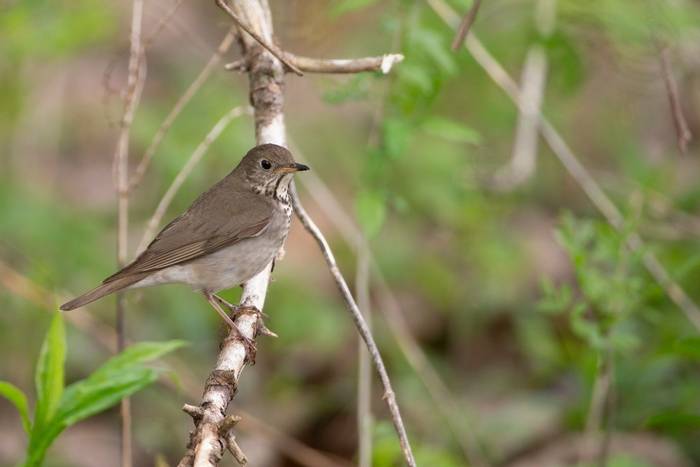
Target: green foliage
<point>15,395</point>
<point>58,407</point>
<point>49,373</point>
<point>609,282</point>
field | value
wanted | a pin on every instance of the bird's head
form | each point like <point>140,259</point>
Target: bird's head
<point>268,168</point>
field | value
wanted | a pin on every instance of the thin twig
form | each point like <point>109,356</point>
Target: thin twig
<point>389,396</point>
<point>145,45</point>
<point>163,20</point>
<point>524,159</point>
<point>269,45</point>
<point>533,83</point>
<point>466,25</point>
<point>185,172</point>
<point>121,164</point>
<point>680,124</point>
<point>580,174</point>
<point>436,387</point>
<point>364,370</point>
<point>383,63</point>
<point>179,105</point>
<point>598,420</point>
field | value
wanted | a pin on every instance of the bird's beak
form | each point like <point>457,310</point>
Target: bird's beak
<point>290,168</point>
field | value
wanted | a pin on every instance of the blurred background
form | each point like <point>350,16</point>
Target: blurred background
<point>543,338</point>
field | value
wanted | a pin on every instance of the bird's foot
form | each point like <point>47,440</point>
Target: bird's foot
<point>260,328</point>
<point>236,309</point>
<point>217,302</point>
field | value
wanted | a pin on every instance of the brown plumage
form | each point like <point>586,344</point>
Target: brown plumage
<point>229,234</point>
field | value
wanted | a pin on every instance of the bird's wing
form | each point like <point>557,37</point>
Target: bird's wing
<point>203,229</point>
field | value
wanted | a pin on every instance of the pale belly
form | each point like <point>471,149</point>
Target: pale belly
<point>225,268</point>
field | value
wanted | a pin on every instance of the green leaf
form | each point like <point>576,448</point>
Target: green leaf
<point>101,391</point>
<point>15,395</point>
<point>84,399</point>
<point>49,371</point>
<point>451,130</point>
<point>137,354</point>
<point>120,377</point>
<point>371,211</point>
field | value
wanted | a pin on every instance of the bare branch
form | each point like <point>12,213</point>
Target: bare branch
<point>206,445</point>
<point>382,63</point>
<point>269,45</point>
<point>360,323</point>
<point>165,19</point>
<point>236,65</point>
<point>135,82</point>
<point>185,172</point>
<point>179,105</point>
<point>364,371</point>
<point>524,159</point>
<point>533,82</point>
<point>466,25</point>
<point>683,134</point>
<point>571,163</point>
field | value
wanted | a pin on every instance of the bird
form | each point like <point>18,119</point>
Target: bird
<point>228,235</point>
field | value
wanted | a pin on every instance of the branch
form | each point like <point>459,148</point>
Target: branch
<point>210,437</point>
<point>389,396</point>
<point>579,173</point>
<point>533,82</point>
<point>382,63</point>
<point>177,108</point>
<point>269,45</point>
<point>466,25</point>
<point>135,81</point>
<point>683,134</point>
<point>364,371</point>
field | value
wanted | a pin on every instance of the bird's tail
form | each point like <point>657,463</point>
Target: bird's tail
<point>102,290</point>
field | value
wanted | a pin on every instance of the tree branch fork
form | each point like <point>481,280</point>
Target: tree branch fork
<point>299,64</point>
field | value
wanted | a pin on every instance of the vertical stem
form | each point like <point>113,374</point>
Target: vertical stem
<point>598,421</point>
<point>125,407</point>
<point>364,371</point>
<point>122,186</point>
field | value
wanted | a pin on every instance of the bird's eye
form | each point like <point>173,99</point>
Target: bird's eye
<point>265,164</point>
